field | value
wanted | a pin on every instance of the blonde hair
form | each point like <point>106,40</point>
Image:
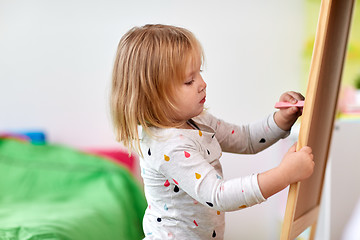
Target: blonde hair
<point>150,63</point>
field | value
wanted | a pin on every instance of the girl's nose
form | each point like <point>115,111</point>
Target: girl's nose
<point>203,85</point>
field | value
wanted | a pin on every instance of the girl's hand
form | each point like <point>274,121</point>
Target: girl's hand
<point>286,117</point>
<point>297,166</point>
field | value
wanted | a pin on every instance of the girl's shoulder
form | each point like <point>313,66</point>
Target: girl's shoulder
<point>164,138</point>
<point>207,119</point>
<point>167,137</point>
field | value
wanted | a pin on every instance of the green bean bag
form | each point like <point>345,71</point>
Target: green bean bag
<point>55,192</point>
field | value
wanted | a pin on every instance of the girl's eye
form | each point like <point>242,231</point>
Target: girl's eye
<point>189,82</point>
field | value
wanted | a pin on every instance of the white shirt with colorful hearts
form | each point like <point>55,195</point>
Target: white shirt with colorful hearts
<point>183,181</point>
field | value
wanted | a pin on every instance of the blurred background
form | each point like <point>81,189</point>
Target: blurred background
<point>56,61</point>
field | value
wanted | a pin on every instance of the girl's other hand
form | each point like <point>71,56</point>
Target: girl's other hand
<point>286,117</point>
<point>297,166</point>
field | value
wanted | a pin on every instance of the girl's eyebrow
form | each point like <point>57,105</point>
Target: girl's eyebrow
<point>189,74</point>
<point>192,72</point>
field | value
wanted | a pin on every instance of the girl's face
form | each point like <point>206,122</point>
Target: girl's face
<point>190,95</point>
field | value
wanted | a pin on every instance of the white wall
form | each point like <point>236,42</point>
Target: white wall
<point>56,60</point>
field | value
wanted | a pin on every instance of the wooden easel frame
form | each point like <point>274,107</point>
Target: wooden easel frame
<point>317,122</point>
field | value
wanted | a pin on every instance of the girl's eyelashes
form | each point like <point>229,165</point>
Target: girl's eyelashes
<point>189,82</point>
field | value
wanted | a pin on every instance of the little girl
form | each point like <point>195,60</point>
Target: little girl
<point>157,84</point>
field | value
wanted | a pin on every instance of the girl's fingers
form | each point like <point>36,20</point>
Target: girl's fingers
<point>293,148</point>
<point>291,97</point>
<point>297,96</point>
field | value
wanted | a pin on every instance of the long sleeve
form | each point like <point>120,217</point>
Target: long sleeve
<point>248,138</point>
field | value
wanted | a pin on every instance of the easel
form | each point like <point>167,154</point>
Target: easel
<point>317,122</point>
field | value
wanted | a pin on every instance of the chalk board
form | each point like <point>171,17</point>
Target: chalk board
<point>319,112</point>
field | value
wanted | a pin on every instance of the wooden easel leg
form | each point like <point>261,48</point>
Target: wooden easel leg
<point>313,231</point>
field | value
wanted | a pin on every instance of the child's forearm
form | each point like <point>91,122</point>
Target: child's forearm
<point>272,181</point>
